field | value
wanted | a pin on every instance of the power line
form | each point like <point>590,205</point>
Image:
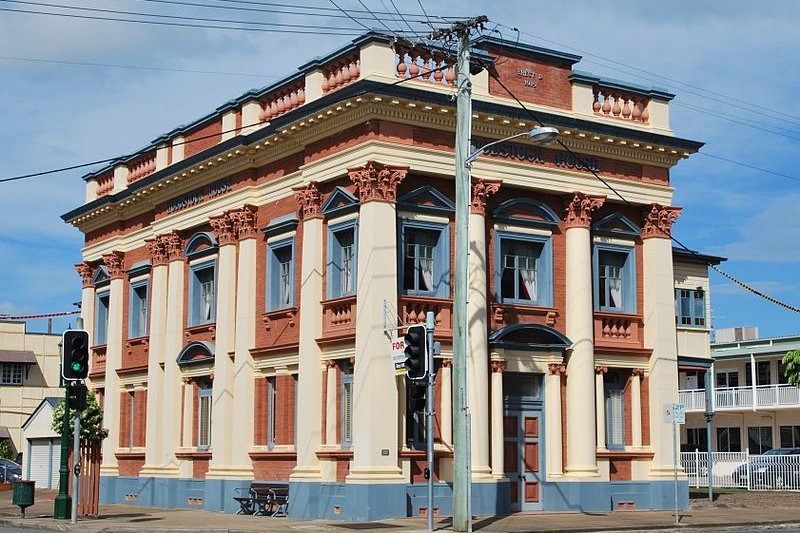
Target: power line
<point>747,165</point>
<point>630,204</point>
<point>744,122</point>
<point>352,33</point>
<point>349,16</point>
<point>172,17</point>
<point>142,67</point>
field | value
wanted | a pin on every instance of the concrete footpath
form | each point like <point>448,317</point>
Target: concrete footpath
<point>768,508</point>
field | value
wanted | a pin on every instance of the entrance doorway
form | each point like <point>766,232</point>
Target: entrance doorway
<point>523,440</point>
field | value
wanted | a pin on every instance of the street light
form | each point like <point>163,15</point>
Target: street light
<point>540,135</point>
<point>461,433</point>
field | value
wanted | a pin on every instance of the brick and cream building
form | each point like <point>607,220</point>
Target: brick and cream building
<point>243,277</point>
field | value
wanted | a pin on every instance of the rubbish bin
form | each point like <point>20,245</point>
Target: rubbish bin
<point>22,494</point>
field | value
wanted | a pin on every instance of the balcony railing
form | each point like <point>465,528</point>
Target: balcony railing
<point>740,398</point>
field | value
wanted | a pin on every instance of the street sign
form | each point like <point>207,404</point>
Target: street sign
<point>674,413</point>
<point>398,348</point>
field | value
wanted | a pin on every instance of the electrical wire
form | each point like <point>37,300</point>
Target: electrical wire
<point>630,204</point>
<point>42,315</point>
<point>142,67</point>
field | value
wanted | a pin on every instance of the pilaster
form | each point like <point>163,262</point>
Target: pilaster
<point>246,228</point>
<point>85,271</point>
<point>600,401</point>
<point>173,343</point>
<point>155,371</point>
<point>309,396</point>
<point>222,436</point>
<point>581,457</point>
<point>114,263</point>
<point>554,428</point>
<point>659,329</point>
<point>375,387</point>
<point>477,318</point>
<point>636,407</point>
<point>446,409</point>
<point>498,465</point>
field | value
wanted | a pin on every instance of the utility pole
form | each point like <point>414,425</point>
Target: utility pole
<point>462,514</point>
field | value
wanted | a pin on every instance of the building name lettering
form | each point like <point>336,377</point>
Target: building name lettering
<point>530,78</point>
<point>513,151</point>
<point>195,197</point>
<point>585,163</point>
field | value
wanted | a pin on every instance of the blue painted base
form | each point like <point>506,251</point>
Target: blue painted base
<point>350,501</point>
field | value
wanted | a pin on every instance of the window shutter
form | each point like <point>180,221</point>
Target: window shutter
<point>629,282</point>
<point>441,267</point>
<point>616,419</point>
<point>334,265</point>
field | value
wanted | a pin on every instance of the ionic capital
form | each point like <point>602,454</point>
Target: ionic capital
<point>599,369</point>
<point>499,366</point>
<point>557,369</point>
<point>447,363</point>
<point>330,364</point>
<point>638,372</point>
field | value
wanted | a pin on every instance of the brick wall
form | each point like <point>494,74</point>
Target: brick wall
<point>553,87</point>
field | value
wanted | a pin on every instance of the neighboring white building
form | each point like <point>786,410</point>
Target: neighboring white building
<point>29,372</point>
<point>43,446</point>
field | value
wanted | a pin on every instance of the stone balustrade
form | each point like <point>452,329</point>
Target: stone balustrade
<point>142,166</point>
<point>340,73</point>
<point>424,65</point>
<point>620,105</point>
<point>105,183</point>
<point>612,328</point>
<point>282,101</point>
<point>413,310</point>
<point>339,317</point>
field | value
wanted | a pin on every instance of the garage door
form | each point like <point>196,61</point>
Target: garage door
<point>44,459</point>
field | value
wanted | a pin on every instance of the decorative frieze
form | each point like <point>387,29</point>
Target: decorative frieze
<point>85,271</point>
<point>659,220</point>
<point>115,263</point>
<point>377,182</point>
<point>310,200</point>
<point>481,190</point>
<point>580,208</point>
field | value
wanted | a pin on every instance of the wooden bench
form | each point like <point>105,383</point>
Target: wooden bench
<point>263,498</point>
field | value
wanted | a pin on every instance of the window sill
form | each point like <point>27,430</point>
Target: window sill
<point>138,341</point>
<point>624,454</point>
<point>287,312</point>
<point>194,454</point>
<point>276,454</point>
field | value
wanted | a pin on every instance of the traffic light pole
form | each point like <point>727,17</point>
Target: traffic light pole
<point>76,460</point>
<point>430,408</point>
<point>63,502</point>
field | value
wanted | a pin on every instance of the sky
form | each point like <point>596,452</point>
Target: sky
<point>76,90</point>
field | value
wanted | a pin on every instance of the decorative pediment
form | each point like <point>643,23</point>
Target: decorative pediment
<point>537,337</point>
<point>526,212</point>
<point>616,224</point>
<point>101,276</point>
<point>196,353</point>
<point>281,224</point>
<point>339,202</point>
<point>200,244</point>
<point>427,199</point>
<point>139,268</point>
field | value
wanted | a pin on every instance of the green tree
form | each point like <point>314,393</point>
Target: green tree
<point>791,364</point>
<point>91,420</point>
<point>5,450</point>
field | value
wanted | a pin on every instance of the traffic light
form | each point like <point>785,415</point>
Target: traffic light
<point>416,353</point>
<point>75,355</point>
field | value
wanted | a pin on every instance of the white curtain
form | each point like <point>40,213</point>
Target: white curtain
<point>614,287</point>
<point>426,268</point>
<point>529,280</point>
<point>207,298</point>
<point>285,289</point>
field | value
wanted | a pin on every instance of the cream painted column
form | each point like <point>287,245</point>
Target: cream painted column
<point>155,372</point>
<point>498,465</point>
<point>636,407</point>
<point>659,330</point>
<point>85,271</point>
<point>330,403</point>
<point>477,333</point>
<point>246,227</point>
<point>222,413</point>
<point>111,409</point>
<point>309,395</point>
<point>600,404</point>
<point>171,414</point>
<point>581,452</point>
<point>446,409</point>
<point>555,464</point>
<point>375,387</point>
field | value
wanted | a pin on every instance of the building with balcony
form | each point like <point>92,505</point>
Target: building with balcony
<point>755,408</point>
<point>243,277</point>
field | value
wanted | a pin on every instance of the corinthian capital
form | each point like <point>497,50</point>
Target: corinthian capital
<point>659,220</point>
<point>377,182</point>
<point>580,209</point>
<point>223,228</point>
<point>244,221</point>
<point>85,271</point>
<point>157,250</point>
<point>115,263</point>
<point>310,200</point>
<point>481,191</point>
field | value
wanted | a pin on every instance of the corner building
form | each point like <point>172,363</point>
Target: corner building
<point>243,277</point>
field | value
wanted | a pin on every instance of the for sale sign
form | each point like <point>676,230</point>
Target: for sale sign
<point>399,355</point>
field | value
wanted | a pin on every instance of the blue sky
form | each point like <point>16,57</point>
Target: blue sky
<point>735,59</point>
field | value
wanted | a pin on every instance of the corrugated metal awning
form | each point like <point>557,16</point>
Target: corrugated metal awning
<point>4,434</point>
<point>17,356</point>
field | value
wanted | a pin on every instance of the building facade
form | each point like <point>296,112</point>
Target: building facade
<point>29,372</point>
<point>243,278</point>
